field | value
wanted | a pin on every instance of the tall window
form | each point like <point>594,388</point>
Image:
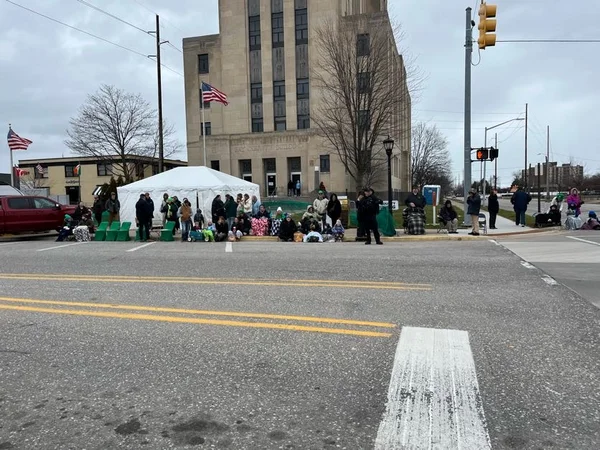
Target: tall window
<point>303,122</point>
<point>363,45</point>
<point>364,120</point>
<point>363,81</point>
<point>302,89</point>
<point>254,32</point>
<point>324,163</point>
<point>70,170</point>
<point>257,125</point>
<point>256,92</point>
<point>279,106</point>
<point>203,63</point>
<point>207,130</point>
<point>277,27</point>
<point>301,26</point>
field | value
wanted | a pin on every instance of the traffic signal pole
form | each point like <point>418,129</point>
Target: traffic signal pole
<point>467,132</point>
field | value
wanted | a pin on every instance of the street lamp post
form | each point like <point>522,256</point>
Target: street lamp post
<point>388,145</point>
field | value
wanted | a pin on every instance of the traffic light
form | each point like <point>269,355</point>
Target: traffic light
<point>482,154</point>
<point>493,153</point>
<point>487,26</point>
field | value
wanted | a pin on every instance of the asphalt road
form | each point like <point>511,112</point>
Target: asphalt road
<point>119,345</point>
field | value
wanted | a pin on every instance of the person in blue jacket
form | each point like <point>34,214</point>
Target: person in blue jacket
<point>520,200</point>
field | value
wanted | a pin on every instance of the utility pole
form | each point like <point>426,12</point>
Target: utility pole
<point>548,163</point>
<point>467,137</point>
<point>496,162</point>
<point>526,174</point>
<point>161,154</point>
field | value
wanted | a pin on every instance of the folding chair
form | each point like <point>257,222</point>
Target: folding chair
<point>111,233</point>
<point>441,226</point>
<point>483,223</point>
<point>123,233</point>
<point>100,234</point>
<point>166,234</point>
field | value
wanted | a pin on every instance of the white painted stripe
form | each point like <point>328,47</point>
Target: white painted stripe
<point>527,265</point>
<point>433,398</point>
<point>228,247</point>
<point>549,280</point>
<point>495,242</point>
<point>59,246</point>
<point>141,246</point>
<point>584,240</point>
<point>2,244</point>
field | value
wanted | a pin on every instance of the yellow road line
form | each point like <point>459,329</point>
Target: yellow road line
<point>201,312</point>
<point>190,320</point>
<point>247,282</point>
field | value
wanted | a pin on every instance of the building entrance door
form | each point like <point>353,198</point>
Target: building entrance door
<point>295,177</point>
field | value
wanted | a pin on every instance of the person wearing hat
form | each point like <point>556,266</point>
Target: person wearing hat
<point>558,202</point>
<point>320,207</point>
<point>368,208</point>
<point>473,209</point>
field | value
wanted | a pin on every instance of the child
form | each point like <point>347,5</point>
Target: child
<point>313,235</point>
<point>338,231</point>
<point>209,232</point>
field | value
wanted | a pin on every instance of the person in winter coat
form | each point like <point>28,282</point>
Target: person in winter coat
<point>338,231</point>
<point>520,200</point>
<point>473,209</point>
<point>493,208</point>
<point>185,217</point>
<point>310,217</point>
<point>247,203</point>
<point>255,205</point>
<point>574,201</point>
<point>222,230</point>
<point>320,206</point>
<point>198,220</point>
<point>334,208</point>
<point>143,216</point>
<point>113,206</point>
<point>291,187</point>
<point>298,188</point>
<point>163,208</point>
<point>369,208</point>
<point>287,229</point>
<point>415,199</point>
<point>230,210</point>
<point>217,209</point>
<point>592,222</point>
<point>449,217</point>
<point>557,201</point>
<point>98,209</point>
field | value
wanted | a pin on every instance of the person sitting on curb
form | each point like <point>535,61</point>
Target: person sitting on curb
<point>313,235</point>
<point>338,231</point>
<point>287,229</point>
<point>449,217</point>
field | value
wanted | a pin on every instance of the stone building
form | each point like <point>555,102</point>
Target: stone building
<point>265,60</point>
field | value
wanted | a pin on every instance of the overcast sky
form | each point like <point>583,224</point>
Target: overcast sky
<point>47,71</point>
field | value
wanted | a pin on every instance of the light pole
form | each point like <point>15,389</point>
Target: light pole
<point>516,119</point>
<point>388,145</point>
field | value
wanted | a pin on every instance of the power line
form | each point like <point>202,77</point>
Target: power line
<point>551,40</point>
<point>89,34</point>
<point>462,112</point>
<point>154,12</point>
<point>83,2</point>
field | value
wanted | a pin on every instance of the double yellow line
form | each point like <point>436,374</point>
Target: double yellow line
<point>337,284</point>
<point>263,321</point>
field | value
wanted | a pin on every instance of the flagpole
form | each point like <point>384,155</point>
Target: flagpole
<point>12,168</point>
<point>79,182</point>
<point>203,129</point>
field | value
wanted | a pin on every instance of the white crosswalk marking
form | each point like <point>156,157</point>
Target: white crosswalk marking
<point>433,398</point>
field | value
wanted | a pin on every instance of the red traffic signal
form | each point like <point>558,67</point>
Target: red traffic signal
<point>482,154</point>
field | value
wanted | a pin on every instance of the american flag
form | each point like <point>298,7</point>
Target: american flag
<point>211,94</point>
<point>15,142</point>
<point>39,168</point>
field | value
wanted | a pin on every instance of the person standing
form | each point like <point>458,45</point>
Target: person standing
<point>368,207</point>
<point>298,188</point>
<point>113,206</point>
<point>520,200</point>
<point>185,216</point>
<point>574,201</point>
<point>217,209</point>
<point>98,209</point>
<point>334,208</point>
<point>143,216</point>
<point>291,188</point>
<point>230,210</point>
<point>320,206</point>
<point>493,208</point>
<point>473,209</point>
<point>164,208</point>
<point>151,209</point>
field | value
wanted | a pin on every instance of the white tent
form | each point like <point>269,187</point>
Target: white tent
<point>199,184</point>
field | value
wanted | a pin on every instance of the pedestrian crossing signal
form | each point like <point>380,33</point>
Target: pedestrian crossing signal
<point>482,154</point>
<point>493,153</point>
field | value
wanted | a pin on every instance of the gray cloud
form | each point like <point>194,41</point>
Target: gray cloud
<point>48,70</point>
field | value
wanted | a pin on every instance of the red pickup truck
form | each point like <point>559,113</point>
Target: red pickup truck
<point>22,213</point>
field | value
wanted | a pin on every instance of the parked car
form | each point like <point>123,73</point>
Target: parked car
<point>23,213</point>
<point>6,189</point>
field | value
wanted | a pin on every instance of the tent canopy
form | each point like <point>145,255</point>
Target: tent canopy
<point>199,184</point>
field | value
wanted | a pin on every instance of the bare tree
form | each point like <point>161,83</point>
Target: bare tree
<point>430,158</point>
<point>365,89</point>
<point>117,128</point>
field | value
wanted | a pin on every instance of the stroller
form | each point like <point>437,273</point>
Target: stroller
<point>551,219</point>
<point>196,235</point>
<point>414,221</point>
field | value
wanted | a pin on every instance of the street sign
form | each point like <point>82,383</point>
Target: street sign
<point>394,205</point>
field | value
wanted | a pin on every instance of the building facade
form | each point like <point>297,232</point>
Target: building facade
<point>265,59</point>
<point>59,176</point>
<point>560,177</point>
